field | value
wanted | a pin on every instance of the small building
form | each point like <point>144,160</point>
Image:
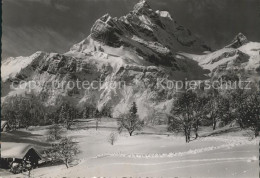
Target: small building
<point>19,154</point>
<point>5,126</point>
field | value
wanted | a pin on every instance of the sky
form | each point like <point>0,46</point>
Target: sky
<point>55,25</point>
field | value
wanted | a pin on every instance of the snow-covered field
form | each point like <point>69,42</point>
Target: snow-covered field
<point>153,152</point>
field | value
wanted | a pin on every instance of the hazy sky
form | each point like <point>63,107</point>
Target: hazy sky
<point>55,25</point>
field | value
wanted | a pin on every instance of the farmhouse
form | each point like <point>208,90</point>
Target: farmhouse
<point>5,126</point>
<point>19,154</point>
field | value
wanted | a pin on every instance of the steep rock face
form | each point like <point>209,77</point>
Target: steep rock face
<point>153,33</point>
<point>54,73</point>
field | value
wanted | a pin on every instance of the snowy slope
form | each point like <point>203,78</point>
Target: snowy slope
<point>12,66</point>
<point>252,49</point>
<point>244,57</point>
<point>153,155</point>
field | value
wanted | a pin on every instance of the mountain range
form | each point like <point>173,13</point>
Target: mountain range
<point>139,48</point>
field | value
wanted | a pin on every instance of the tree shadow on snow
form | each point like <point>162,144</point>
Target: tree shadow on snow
<point>22,137</point>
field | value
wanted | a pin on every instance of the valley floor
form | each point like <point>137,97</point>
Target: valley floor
<point>152,152</point>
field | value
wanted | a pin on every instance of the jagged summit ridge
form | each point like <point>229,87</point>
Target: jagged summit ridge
<point>239,40</point>
<point>142,6</point>
<point>146,31</point>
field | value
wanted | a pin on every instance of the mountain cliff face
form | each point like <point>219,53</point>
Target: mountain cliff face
<point>156,32</point>
<point>124,59</point>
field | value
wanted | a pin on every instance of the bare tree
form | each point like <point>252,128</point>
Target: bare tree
<point>112,138</point>
<point>212,107</point>
<point>199,112</point>
<point>130,121</point>
<point>238,97</point>
<point>97,116</point>
<point>182,116</point>
<point>64,151</point>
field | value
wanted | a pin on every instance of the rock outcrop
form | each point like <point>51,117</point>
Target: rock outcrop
<point>238,41</point>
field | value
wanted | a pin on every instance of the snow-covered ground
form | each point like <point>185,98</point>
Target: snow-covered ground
<point>152,152</point>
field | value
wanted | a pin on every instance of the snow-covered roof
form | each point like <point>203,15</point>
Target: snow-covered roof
<point>3,124</point>
<point>16,150</point>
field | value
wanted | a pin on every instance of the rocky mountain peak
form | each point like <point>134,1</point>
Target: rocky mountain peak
<point>153,35</point>
<point>142,6</point>
<point>238,41</point>
<point>105,17</point>
<point>241,37</point>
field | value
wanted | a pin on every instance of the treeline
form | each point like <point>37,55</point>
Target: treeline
<point>192,109</point>
<point>24,111</point>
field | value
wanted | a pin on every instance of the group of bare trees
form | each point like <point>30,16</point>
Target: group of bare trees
<point>193,107</point>
<point>187,113</point>
<point>23,111</point>
<point>246,107</point>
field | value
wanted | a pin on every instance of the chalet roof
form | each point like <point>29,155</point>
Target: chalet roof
<point>16,150</point>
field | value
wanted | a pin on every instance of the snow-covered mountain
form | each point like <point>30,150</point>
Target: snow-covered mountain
<point>240,55</point>
<point>138,49</point>
<point>148,32</point>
